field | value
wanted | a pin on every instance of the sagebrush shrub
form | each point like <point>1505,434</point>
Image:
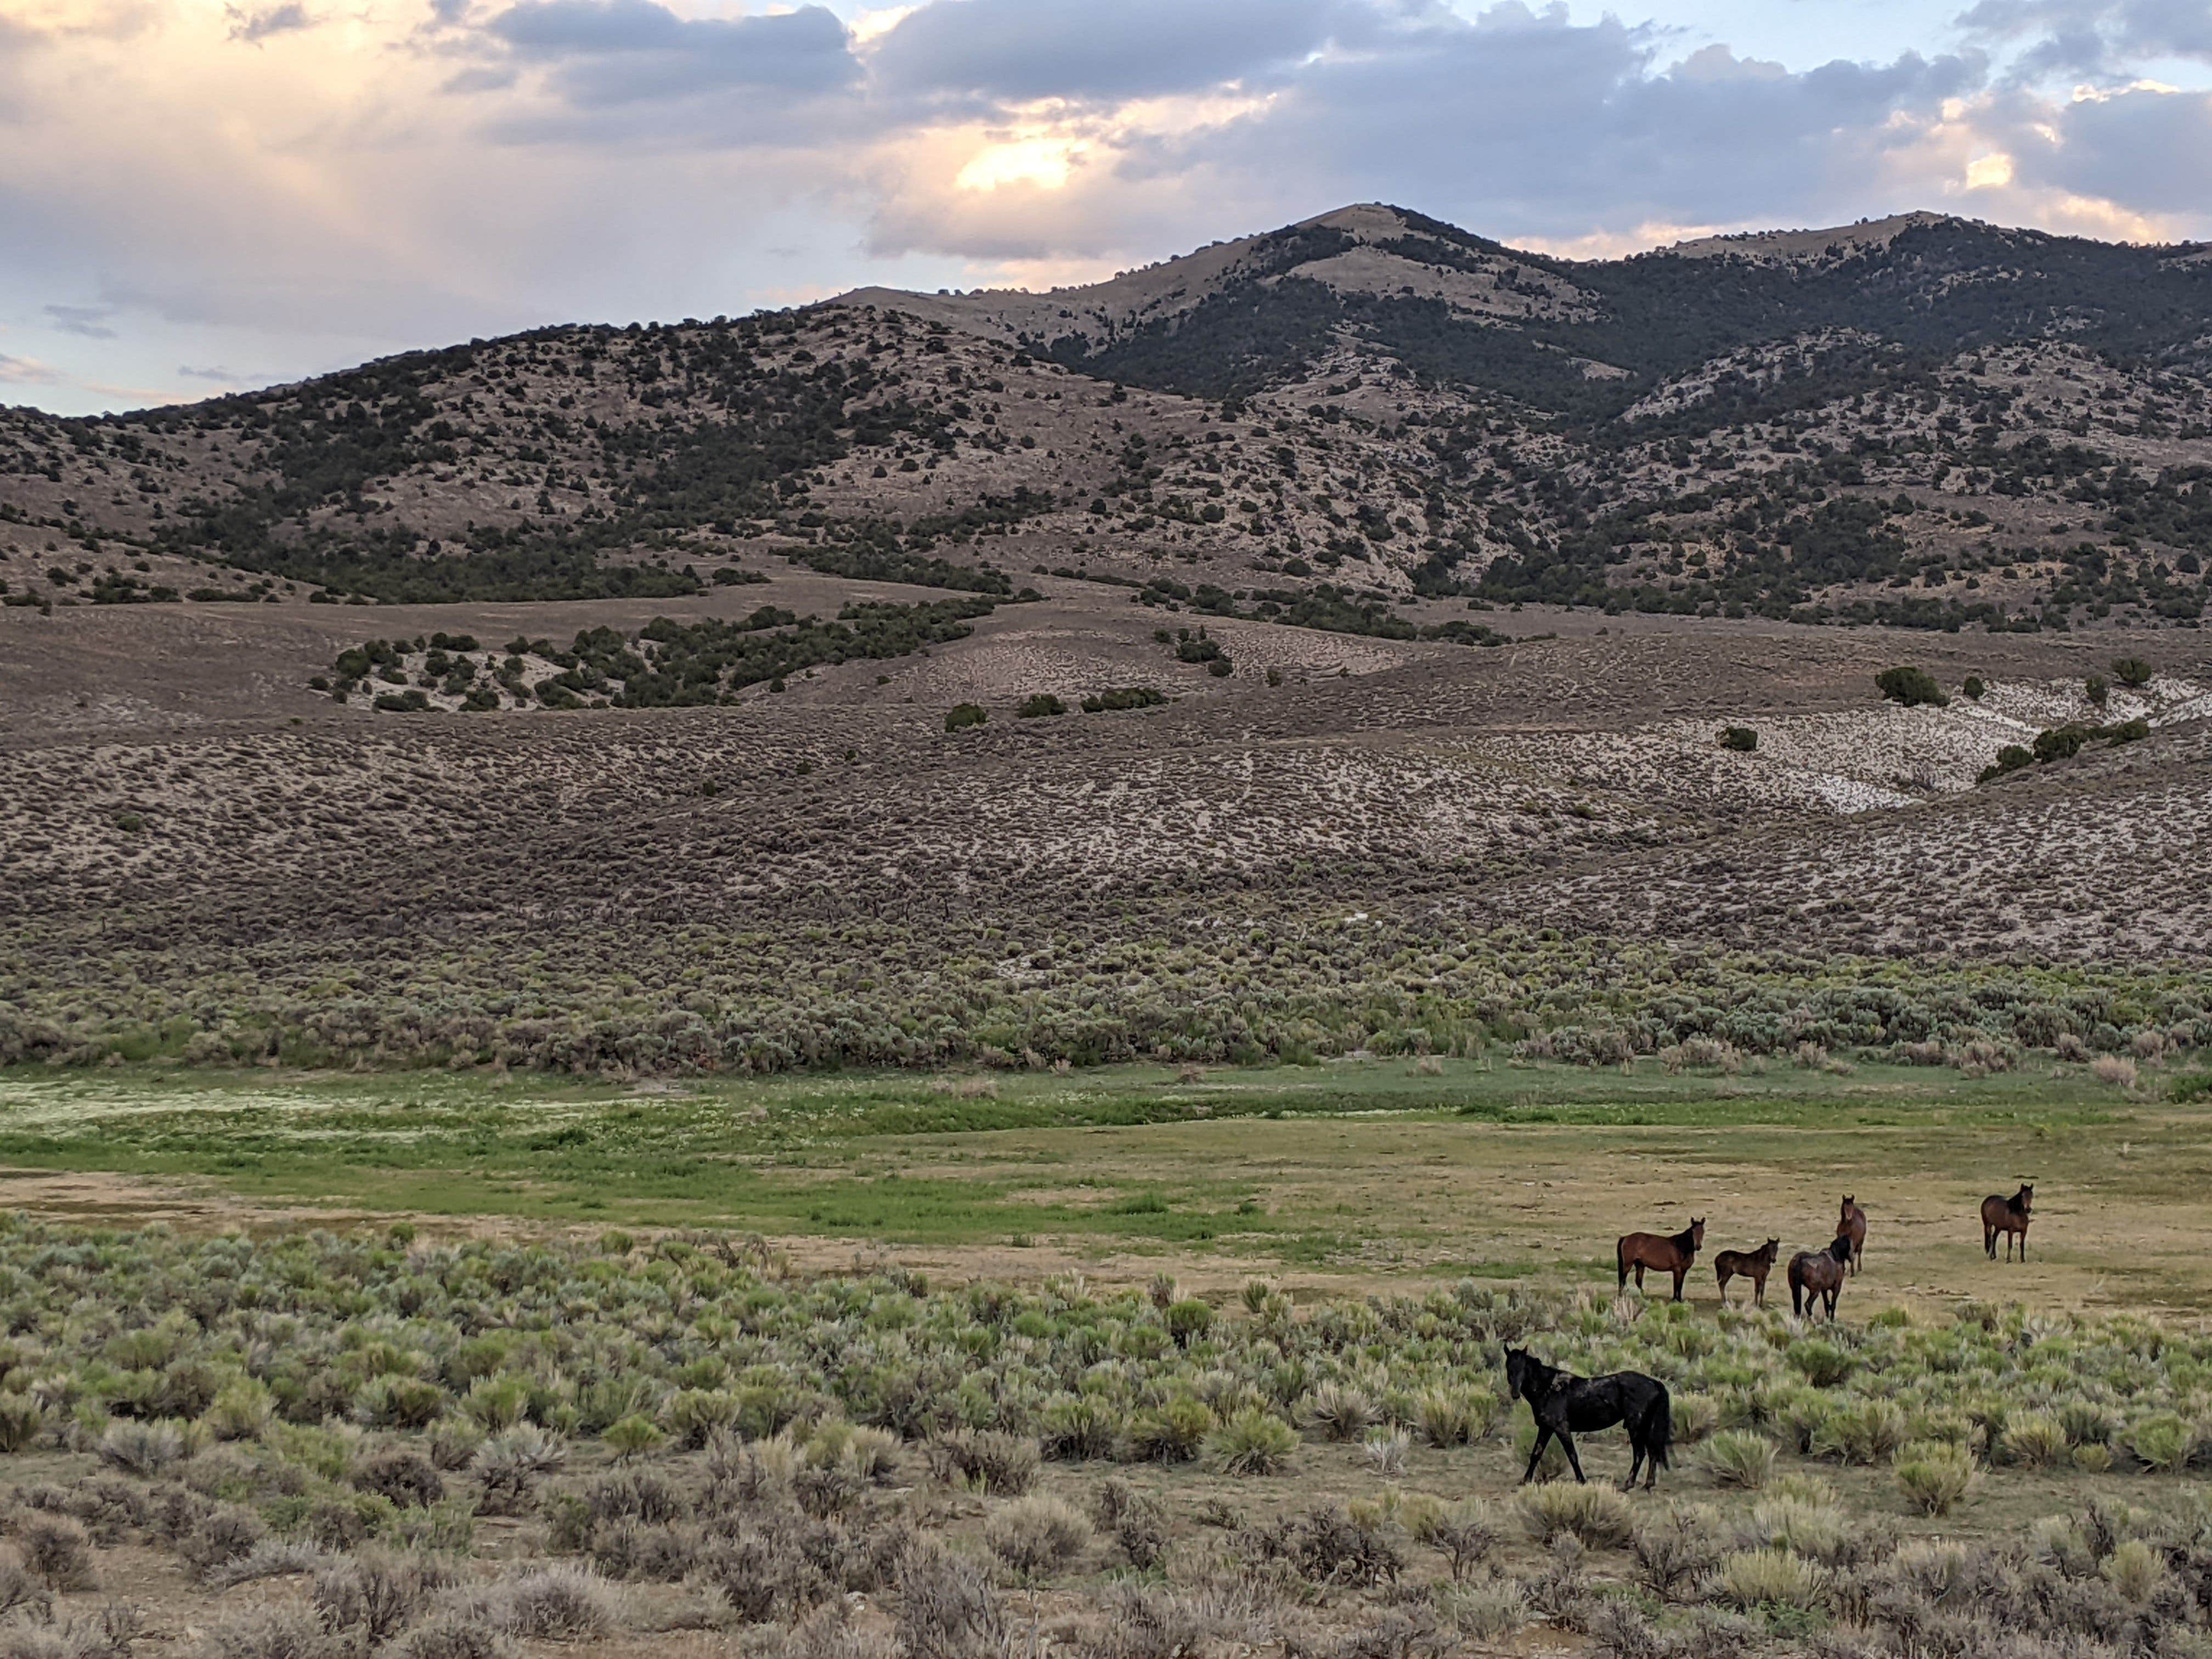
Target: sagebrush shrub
<point>1253,1442</point>
<point>1752,1579</point>
<point>1934,1476</point>
<point>1036,1536</point>
<point>1738,1458</point>
<point>1336,1411</point>
<point>1598,1516</point>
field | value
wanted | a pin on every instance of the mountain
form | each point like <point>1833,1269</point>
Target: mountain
<point>1920,420</point>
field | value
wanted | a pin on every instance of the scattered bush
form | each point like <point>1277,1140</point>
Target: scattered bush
<point>1253,1442</point>
<point>1036,1536</point>
<point>1912,687</point>
<point>1739,1459</point>
<point>1741,739</point>
<point>1597,1515</point>
<point>1934,1477</point>
<point>961,716</point>
<point>1753,1579</point>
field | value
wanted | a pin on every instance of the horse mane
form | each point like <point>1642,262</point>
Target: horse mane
<point>1840,1249</point>
<point>1685,1241</point>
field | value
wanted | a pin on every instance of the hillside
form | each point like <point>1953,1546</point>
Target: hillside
<point>1259,658</point>
<point>1924,422</point>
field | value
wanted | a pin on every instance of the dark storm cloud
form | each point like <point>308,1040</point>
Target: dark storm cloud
<point>1024,49</point>
<point>603,52</point>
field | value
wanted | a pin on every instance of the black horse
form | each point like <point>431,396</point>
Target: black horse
<point>1566,1405</point>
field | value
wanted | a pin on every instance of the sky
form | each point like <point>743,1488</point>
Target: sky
<point>204,196</point>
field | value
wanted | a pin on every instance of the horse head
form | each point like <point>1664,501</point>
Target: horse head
<point>1696,1232</point>
<point>1516,1370</point>
<point>1770,1248</point>
<point>1848,1202</point>
<point>1841,1248</point>
<point>2026,1198</point>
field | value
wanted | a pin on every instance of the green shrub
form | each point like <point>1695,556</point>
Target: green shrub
<point>1188,1319</point>
<point>1454,1416</point>
<point>1864,1431</point>
<point>1973,687</point>
<point>2136,1570</point>
<point>1039,704</point>
<point>1820,1362</point>
<point>1739,1459</point>
<point>1741,739</point>
<point>1171,1432</point>
<point>1911,686</point>
<point>22,1419</point>
<point>694,1415</point>
<point>1752,1579</point>
<point>1934,1476</point>
<point>961,716</point>
<point>2035,1439</point>
<point>2133,673</point>
<point>2161,1441</point>
<point>2097,688</point>
<point>1127,696</point>
<point>1336,1411</point>
<point>633,1436</point>
<point>1596,1515</point>
<point>1253,1442</point>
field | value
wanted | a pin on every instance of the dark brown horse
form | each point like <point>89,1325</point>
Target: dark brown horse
<point>1753,1265</point>
<point>1816,1276</point>
<point>1851,1224</point>
<point>2009,1216</point>
<point>1637,1251</point>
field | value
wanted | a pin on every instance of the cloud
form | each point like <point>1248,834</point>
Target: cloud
<point>2148,147</point>
<point>2096,38</point>
<point>90,321</point>
<point>1022,51</point>
<point>28,371</point>
<point>255,26</point>
<point>220,376</point>
<point>601,52</point>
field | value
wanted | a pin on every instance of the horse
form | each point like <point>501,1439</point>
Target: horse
<point>1566,1405</point>
<point>1818,1275</point>
<point>1753,1265</point>
<point>2009,1216</point>
<point>1637,1251</point>
<point>1851,1224</point>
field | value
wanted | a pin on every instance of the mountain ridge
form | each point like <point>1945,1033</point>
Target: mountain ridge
<point>1920,420</point>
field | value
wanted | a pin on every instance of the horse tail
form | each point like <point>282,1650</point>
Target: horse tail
<point>1621,1261</point>
<point>1659,1428</point>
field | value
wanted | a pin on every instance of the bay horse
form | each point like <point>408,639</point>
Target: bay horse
<point>1662,1254</point>
<point>1753,1265</point>
<point>1851,1224</point>
<point>1565,1406</point>
<point>1818,1275</point>
<point>2009,1216</point>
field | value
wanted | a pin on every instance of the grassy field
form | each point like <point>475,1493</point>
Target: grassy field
<point>1133,1365</point>
<point>1355,1171</point>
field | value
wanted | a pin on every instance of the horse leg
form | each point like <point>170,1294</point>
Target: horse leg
<point>1543,1439</point>
<point>1573,1461</point>
<point>2023,1243</point>
<point>1989,1242</point>
<point>1635,1461</point>
<point>1759,1289</point>
<point>1639,1275</point>
<point>1680,1274</point>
